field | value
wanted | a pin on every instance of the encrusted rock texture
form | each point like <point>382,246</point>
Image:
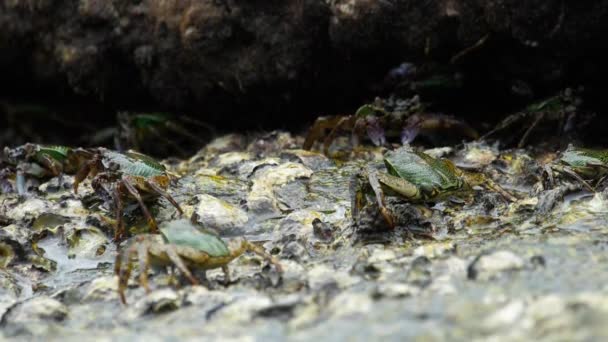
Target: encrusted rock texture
<point>258,58</point>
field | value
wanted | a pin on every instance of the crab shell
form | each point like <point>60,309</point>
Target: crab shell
<point>588,163</point>
<point>185,245</point>
<point>435,178</point>
<point>192,241</point>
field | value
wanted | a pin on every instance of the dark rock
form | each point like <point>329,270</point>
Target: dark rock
<point>212,58</point>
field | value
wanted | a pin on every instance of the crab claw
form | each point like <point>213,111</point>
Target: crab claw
<point>20,183</point>
<point>388,216</point>
<point>408,134</point>
<point>375,132</point>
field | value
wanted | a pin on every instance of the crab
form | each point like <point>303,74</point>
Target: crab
<point>157,132</point>
<point>383,119</point>
<point>583,164</point>
<point>561,108</point>
<point>123,176</point>
<point>40,161</point>
<point>417,177</point>
<point>186,245</point>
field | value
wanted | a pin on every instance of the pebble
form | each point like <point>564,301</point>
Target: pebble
<point>218,214</point>
<point>489,265</point>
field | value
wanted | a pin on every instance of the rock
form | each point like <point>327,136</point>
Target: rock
<point>243,308</point>
<point>380,255</point>
<point>102,289</point>
<point>218,214</point>
<point>349,305</point>
<point>294,275</point>
<point>228,159</point>
<point>89,242</point>
<point>489,265</point>
<point>10,290</point>
<point>420,272</point>
<point>31,207</point>
<point>201,296</point>
<point>506,316</point>
<point>446,273</point>
<point>261,198</point>
<point>34,316</point>
<point>395,290</point>
<point>434,250</point>
<point>226,59</point>
<point>322,275</point>
<point>156,302</point>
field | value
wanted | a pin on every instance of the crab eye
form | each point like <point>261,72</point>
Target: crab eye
<point>112,166</point>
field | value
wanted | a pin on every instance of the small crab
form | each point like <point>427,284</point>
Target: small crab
<point>583,164</point>
<point>561,109</point>
<point>159,133</point>
<point>185,244</point>
<point>129,175</point>
<point>405,118</point>
<point>41,161</point>
<point>417,177</point>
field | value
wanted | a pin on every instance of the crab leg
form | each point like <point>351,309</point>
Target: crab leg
<point>198,123</point>
<point>505,123</point>
<point>318,128</point>
<point>522,141</point>
<point>163,193</point>
<point>356,198</point>
<point>574,175</point>
<point>133,191</point>
<point>334,132</point>
<point>160,136</point>
<point>504,193</point>
<point>226,274</point>
<point>53,165</point>
<point>248,246</point>
<point>120,229</point>
<point>177,261</point>
<point>88,168</point>
<point>144,264</point>
<point>179,129</point>
<point>549,172</point>
<point>122,268</point>
<point>372,175</point>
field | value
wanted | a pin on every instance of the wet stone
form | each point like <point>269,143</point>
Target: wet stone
<point>215,213</point>
<point>420,271</point>
<point>506,316</point>
<point>156,302</point>
<point>242,309</point>
<point>10,290</point>
<point>262,197</point>
<point>33,316</point>
<point>490,265</point>
<point>101,289</point>
<point>349,305</point>
<point>395,290</point>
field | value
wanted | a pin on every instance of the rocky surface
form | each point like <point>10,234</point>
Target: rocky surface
<point>493,270</point>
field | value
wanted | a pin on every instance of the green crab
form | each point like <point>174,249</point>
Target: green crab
<point>122,176</point>
<point>187,245</point>
<point>562,110</point>
<point>418,177</point>
<point>41,161</point>
<point>387,118</point>
<point>583,164</point>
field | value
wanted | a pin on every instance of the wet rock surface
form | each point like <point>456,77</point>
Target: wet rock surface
<point>482,269</point>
